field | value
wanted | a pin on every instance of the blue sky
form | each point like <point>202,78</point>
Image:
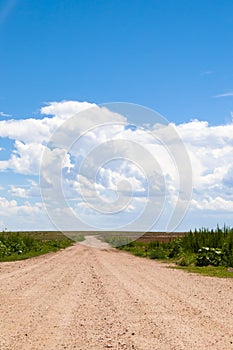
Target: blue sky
<point>174,57</point>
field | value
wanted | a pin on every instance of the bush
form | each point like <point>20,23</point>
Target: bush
<point>187,260</point>
<point>209,256</point>
<point>175,248</point>
<point>14,244</point>
<point>4,250</point>
<point>157,253</point>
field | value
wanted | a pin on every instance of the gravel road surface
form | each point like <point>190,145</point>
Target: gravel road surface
<point>99,298</point>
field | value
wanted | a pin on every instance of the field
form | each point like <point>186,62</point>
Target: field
<point>139,236</point>
<point>50,235</point>
<point>149,237</point>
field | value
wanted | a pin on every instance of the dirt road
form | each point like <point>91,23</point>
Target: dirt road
<point>89,299</point>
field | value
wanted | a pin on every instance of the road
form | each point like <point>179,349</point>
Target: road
<point>99,298</point>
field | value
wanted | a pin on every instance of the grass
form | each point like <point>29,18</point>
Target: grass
<point>204,251</point>
<point>25,245</point>
<point>141,250</point>
<point>51,235</point>
<point>211,249</point>
<point>212,271</point>
<point>45,247</point>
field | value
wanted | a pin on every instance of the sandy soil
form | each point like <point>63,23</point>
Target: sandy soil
<point>87,298</point>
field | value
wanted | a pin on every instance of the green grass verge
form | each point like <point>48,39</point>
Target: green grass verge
<point>185,261</point>
<point>212,271</point>
<point>46,247</point>
<point>25,245</point>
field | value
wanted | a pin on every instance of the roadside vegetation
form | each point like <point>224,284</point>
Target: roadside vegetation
<point>205,251</point>
<point>24,245</point>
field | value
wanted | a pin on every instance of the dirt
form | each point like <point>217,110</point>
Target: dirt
<point>94,242</point>
<point>89,298</point>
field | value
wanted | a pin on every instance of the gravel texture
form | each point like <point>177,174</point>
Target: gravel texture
<point>87,298</point>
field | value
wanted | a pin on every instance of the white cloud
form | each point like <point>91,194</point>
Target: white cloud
<point>25,158</point>
<point>18,215</point>
<point>226,94</point>
<point>27,130</point>
<point>210,149</point>
<point>65,109</point>
<point>2,114</point>
<point>29,190</point>
<point>213,204</point>
<point>31,135</point>
<point>11,207</point>
<point>40,130</point>
<point>18,191</point>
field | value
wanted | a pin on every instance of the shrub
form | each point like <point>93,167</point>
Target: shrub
<point>209,256</point>
<point>4,250</point>
<point>157,253</point>
<point>187,260</point>
<point>13,244</point>
<point>175,248</point>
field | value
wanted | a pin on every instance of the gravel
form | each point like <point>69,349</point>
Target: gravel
<point>90,296</point>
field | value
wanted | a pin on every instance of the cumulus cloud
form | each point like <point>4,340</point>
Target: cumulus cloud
<point>12,207</point>
<point>65,109</point>
<point>210,150</point>
<point>213,204</point>
<point>32,135</point>
<point>59,139</point>
<point>25,159</point>
<point>23,215</point>
<point>30,190</point>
